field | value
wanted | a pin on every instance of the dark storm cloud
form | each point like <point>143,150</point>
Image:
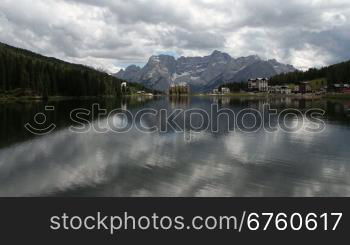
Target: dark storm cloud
<point>116,33</point>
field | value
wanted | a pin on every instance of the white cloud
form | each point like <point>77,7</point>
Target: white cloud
<point>117,33</point>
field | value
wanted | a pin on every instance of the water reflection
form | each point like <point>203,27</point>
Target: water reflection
<point>164,164</point>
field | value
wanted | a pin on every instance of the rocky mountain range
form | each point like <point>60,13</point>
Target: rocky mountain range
<point>201,73</point>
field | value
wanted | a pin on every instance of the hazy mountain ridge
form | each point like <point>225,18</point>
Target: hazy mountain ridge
<point>202,73</point>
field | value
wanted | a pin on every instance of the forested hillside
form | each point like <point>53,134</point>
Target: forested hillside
<point>34,74</point>
<point>338,73</point>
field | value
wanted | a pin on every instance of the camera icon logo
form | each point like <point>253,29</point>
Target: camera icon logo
<point>40,121</point>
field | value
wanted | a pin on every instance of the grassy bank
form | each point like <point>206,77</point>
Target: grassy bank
<point>15,96</point>
<point>337,96</point>
<point>262,95</point>
<point>8,98</point>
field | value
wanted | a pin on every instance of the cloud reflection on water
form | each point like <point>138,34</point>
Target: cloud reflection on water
<point>138,164</point>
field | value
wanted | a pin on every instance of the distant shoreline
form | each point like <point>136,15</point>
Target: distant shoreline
<point>8,99</point>
<point>265,95</point>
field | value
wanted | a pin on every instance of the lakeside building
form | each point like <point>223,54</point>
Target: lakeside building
<point>225,90</point>
<point>143,93</point>
<point>340,88</point>
<point>296,89</point>
<point>179,89</point>
<point>280,89</point>
<point>215,91</point>
<point>305,87</point>
<point>258,85</point>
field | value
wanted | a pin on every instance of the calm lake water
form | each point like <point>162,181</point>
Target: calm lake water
<point>197,163</point>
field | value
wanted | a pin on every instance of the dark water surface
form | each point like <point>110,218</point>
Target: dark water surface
<point>203,163</point>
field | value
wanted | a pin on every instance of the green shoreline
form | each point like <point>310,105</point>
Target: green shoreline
<point>8,99</point>
<point>337,96</point>
<point>265,95</point>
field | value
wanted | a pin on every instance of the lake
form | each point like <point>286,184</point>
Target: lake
<point>194,161</point>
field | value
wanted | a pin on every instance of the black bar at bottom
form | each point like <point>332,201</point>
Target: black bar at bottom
<point>41,220</point>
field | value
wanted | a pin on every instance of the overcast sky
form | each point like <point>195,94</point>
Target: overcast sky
<point>115,33</point>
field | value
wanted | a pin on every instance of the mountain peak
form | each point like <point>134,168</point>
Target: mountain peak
<point>255,57</point>
<point>201,73</point>
<point>133,67</point>
<point>154,58</point>
<point>161,57</point>
<point>217,52</point>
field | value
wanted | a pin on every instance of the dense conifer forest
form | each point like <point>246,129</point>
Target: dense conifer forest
<point>338,73</point>
<point>24,73</point>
